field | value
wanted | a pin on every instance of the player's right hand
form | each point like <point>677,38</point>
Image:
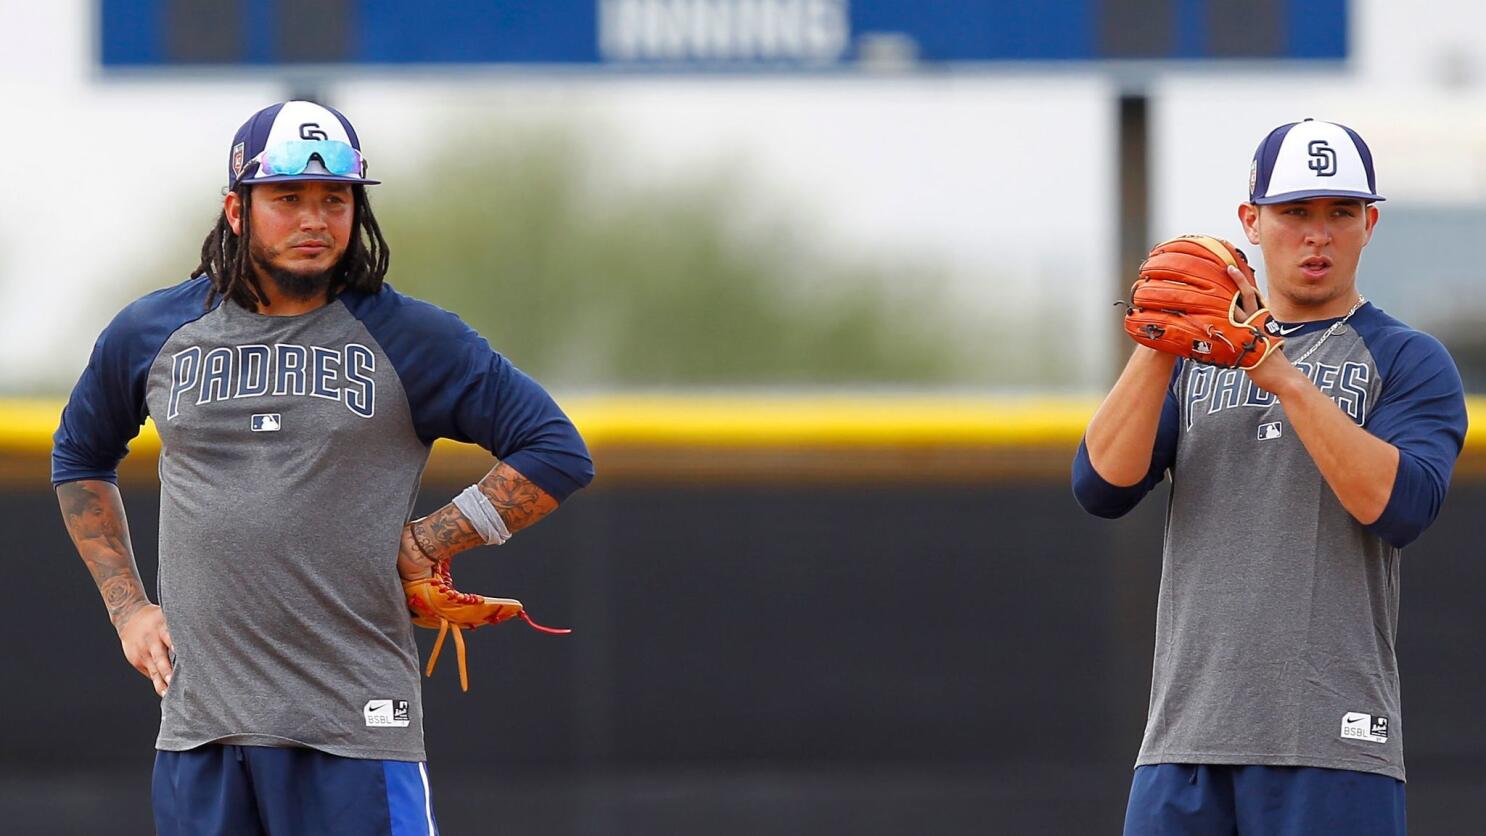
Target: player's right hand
<point>1248,302</point>
<point>147,645</point>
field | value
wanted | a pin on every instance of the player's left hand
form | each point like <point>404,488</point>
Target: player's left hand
<point>434,602</point>
<point>412,564</point>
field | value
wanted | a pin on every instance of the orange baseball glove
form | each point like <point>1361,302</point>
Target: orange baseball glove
<point>1185,303</point>
<point>435,602</point>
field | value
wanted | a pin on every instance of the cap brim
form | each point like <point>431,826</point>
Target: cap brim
<point>1289,197</point>
<point>328,178</point>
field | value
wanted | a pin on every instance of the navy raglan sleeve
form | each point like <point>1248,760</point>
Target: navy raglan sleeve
<point>107,406</point>
<point>460,388</point>
<point>1421,411</point>
<point>1104,499</point>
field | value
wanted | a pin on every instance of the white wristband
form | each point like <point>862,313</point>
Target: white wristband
<point>476,508</point>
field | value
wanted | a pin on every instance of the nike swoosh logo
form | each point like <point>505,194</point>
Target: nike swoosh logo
<point>1285,332</point>
<point>1352,719</point>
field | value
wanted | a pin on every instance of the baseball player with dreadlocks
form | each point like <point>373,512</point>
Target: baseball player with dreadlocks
<point>296,396</point>
<point>1297,477</point>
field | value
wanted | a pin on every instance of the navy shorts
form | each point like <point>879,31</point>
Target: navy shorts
<point>242,790</point>
<point>1207,800</point>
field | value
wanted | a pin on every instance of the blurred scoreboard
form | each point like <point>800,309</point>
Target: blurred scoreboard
<point>711,34</point>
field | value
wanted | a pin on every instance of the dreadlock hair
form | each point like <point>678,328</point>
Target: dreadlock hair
<point>226,261</point>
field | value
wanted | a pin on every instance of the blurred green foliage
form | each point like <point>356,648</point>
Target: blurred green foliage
<point>585,282</point>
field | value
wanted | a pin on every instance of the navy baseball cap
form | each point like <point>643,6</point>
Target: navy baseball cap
<point>1309,159</point>
<point>296,141</point>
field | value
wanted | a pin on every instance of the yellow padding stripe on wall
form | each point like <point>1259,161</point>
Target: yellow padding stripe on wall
<point>845,420</point>
<point>745,420</point>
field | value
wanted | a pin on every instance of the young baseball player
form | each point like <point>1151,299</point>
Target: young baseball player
<point>297,396</point>
<point>1294,486</point>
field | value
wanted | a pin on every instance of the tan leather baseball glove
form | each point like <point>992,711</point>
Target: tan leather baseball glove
<point>1185,303</point>
<point>435,603</point>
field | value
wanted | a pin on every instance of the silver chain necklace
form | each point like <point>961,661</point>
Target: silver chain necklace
<point>1336,326</point>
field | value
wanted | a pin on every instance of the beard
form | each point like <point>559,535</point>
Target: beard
<point>291,283</point>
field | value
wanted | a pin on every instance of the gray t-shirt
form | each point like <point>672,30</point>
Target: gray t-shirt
<point>1278,610</point>
<point>291,453</point>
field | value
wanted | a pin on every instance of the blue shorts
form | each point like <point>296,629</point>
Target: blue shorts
<point>221,790</point>
<point>1208,800</point>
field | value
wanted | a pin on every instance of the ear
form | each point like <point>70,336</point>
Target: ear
<point>232,207</point>
<point>1370,218</point>
<point>1248,215</point>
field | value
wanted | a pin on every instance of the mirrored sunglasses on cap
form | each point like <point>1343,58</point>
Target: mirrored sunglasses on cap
<point>293,157</point>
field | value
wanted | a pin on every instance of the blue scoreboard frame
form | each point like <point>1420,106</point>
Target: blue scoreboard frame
<point>709,34</point>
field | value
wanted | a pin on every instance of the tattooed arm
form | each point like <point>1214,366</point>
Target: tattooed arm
<point>94,514</point>
<point>446,532</point>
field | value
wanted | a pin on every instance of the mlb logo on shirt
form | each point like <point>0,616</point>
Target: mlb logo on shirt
<point>265,422</point>
<point>1359,726</point>
<point>1380,727</point>
<point>1268,431</point>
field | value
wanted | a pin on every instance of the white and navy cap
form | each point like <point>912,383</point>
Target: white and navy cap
<point>1309,159</point>
<point>287,122</point>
